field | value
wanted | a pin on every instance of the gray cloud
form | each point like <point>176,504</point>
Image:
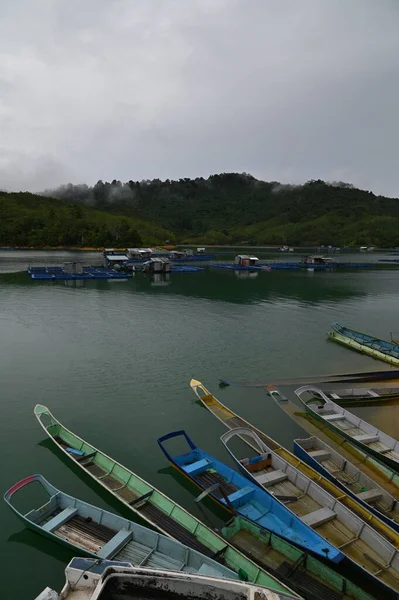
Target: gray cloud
<point>287,90</point>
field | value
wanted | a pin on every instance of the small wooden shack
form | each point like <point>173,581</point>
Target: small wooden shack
<point>157,265</point>
<point>246,260</point>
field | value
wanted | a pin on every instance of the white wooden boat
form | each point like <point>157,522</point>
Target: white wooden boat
<point>331,464</point>
<point>362,434</point>
<point>88,580</point>
<point>321,511</point>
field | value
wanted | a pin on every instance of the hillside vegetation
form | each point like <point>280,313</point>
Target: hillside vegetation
<point>232,208</point>
<point>37,221</point>
<point>224,209</point>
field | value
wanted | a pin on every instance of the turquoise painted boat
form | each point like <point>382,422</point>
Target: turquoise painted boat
<point>350,478</point>
<point>151,505</point>
<point>306,574</point>
<point>98,533</point>
<point>365,344</point>
<point>240,496</point>
<point>367,437</point>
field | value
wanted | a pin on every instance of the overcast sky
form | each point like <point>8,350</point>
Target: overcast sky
<point>286,90</point>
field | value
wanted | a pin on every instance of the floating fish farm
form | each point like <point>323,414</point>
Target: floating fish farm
<point>59,273</point>
<point>279,266</point>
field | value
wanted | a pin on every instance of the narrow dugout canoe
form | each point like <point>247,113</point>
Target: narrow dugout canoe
<point>150,504</point>
<point>350,478</point>
<point>365,344</point>
<point>367,437</point>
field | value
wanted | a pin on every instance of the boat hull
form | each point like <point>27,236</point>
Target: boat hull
<point>303,455</point>
<point>353,345</point>
<point>100,534</point>
<point>392,464</point>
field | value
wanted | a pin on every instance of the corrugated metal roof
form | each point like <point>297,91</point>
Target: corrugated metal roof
<point>116,257</point>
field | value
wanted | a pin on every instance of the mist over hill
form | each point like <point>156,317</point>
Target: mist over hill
<point>233,207</point>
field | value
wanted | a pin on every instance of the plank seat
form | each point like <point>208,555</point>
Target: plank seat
<point>366,438</point>
<point>115,544</point>
<point>320,454</point>
<point>271,478</point>
<point>241,496</point>
<point>370,495</point>
<point>62,517</point>
<point>319,517</point>
<point>197,467</point>
<point>385,450</point>
<point>333,417</point>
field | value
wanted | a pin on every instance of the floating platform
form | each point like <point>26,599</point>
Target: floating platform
<point>58,273</point>
<point>185,269</point>
<point>279,266</point>
<point>193,258</point>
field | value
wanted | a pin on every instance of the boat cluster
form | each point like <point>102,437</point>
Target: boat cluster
<point>310,524</point>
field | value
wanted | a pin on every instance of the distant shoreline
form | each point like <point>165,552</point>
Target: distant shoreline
<point>70,248</point>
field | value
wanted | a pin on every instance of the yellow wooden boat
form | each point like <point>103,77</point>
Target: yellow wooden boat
<point>231,420</point>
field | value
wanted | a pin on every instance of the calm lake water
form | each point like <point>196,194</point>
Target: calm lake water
<point>113,361</point>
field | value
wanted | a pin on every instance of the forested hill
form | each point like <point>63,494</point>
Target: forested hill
<point>37,221</point>
<point>232,208</point>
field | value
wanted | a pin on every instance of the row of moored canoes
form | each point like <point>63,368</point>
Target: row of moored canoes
<point>308,526</point>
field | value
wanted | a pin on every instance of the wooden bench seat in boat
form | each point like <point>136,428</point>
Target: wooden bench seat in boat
<point>257,465</point>
<point>333,417</point>
<point>320,454</point>
<point>319,517</point>
<point>62,517</point>
<point>241,496</point>
<point>115,544</point>
<point>366,438</point>
<point>271,478</point>
<point>198,466</point>
<point>370,495</point>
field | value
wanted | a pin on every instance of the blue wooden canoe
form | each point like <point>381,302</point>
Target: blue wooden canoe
<point>235,493</point>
